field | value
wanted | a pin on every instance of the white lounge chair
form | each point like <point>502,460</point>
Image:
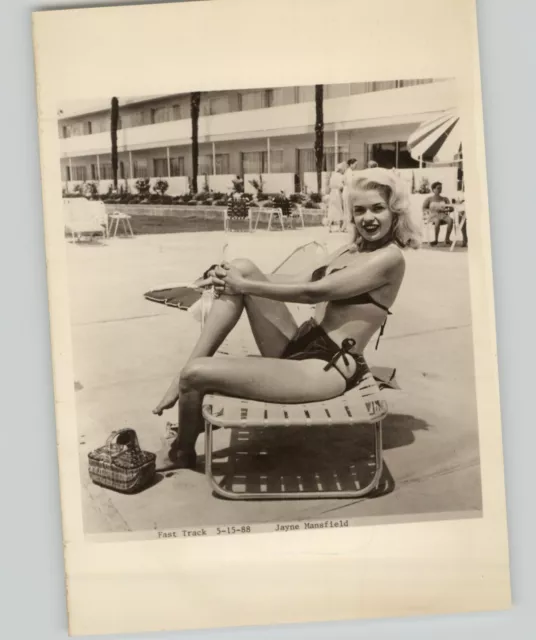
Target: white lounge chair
<point>85,219</point>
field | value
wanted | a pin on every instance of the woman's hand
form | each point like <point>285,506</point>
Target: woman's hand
<point>227,279</point>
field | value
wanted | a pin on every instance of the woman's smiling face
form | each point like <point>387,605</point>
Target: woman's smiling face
<point>371,215</point>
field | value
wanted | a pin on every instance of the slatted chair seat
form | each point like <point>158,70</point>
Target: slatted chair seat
<point>362,406</point>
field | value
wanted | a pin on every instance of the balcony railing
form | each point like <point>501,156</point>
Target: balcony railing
<point>372,109</point>
<point>220,104</point>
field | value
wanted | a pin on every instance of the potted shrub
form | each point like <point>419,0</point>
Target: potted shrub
<point>425,185</point>
<point>143,186</point>
<point>160,187</point>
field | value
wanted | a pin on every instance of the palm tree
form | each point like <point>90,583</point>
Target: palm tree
<point>113,130</point>
<point>195,101</point>
<point>319,134</point>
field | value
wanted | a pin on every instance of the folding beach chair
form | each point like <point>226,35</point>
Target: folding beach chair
<point>361,406</point>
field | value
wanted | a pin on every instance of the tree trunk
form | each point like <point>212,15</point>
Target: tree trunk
<point>195,101</point>
<point>319,134</point>
<point>113,130</point>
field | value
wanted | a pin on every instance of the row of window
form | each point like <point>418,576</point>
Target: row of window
<point>229,102</point>
<point>252,162</point>
<point>387,154</point>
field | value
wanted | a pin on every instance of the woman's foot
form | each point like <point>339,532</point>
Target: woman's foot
<point>163,405</point>
<point>169,459</point>
<point>169,400</point>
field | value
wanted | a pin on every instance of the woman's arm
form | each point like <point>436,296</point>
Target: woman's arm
<point>289,278</point>
<point>307,274</point>
<point>351,281</point>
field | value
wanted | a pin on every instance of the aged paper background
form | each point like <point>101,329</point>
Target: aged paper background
<point>370,571</point>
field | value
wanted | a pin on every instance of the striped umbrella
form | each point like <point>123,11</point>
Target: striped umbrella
<point>437,140</point>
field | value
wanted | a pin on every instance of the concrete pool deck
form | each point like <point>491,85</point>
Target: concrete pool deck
<point>127,349</point>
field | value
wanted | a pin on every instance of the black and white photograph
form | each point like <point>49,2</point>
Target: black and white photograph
<point>271,312</point>
<point>270,308</point>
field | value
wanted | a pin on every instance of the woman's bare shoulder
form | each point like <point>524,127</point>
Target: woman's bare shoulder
<point>394,256</point>
<point>389,258</point>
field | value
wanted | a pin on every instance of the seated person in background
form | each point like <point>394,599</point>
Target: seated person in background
<point>437,208</point>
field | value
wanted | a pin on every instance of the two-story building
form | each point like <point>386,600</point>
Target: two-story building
<point>260,131</point>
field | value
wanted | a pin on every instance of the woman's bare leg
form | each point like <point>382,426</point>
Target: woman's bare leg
<point>223,316</point>
<point>271,322</point>
<point>263,379</point>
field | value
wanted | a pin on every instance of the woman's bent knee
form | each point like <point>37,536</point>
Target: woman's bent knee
<point>193,376</point>
<point>245,266</point>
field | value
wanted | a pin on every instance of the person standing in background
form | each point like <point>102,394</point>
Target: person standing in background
<point>335,208</point>
<point>347,180</point>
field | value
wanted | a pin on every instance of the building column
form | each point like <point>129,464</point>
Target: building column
<point>397,144</point>
<point>268,154</point>
<point>98,168</point>
<point>168,163</point>
<point>131,166</point>
<point>70,169</point>
<point>336,147</point>
<point>213,158</point>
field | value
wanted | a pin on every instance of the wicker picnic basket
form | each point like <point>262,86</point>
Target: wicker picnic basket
<point>121,465</point>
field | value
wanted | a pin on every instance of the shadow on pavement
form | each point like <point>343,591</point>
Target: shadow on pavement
<point>282,459</point>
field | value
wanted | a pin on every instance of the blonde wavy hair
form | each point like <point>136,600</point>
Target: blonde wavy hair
<point>404,231</point>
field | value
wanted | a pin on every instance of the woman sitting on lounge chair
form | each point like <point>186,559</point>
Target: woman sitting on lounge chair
<point>322,358</point>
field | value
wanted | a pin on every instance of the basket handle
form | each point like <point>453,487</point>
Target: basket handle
<point>132,438</point>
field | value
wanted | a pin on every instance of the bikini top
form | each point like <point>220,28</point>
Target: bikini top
<point>362,298</point>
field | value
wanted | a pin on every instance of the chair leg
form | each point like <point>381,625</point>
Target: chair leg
<point>296,495</point>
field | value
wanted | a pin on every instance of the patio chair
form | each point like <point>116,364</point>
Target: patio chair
<point>271,211</point>
<point>228,219</point>
<point>100,214</point>
<point>460,220</point>
<point>362,406</point>
<point>426,228</point>
<point>82,219</point>
<point>296,213</point>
